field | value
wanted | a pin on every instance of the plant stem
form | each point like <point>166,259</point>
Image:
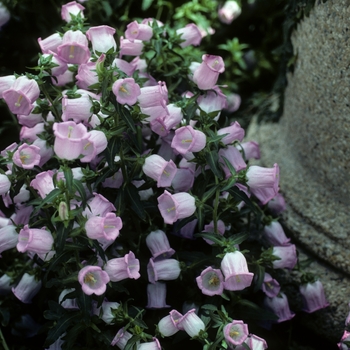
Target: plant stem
<point>3,341</point>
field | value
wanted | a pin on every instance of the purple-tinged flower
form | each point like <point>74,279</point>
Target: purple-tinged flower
<point>187,140</point>
<point>4,15</point>
<point>165,270</point>
<point>254,342</point>
<point>176,206</point>
<point>211,281</point>
<point>250,150</point>
<point>280,307</point>
<point>87,75</point>
<point>275,235</point>
<point>106,227</point>
<point>233,102</point>
<point>6,82</point>
<point>67,303</point>
<point>288,257</point>
<point>94,145</point>
<point>154,345</point>
<point>234,157</point>
<point>5,184</point>
<point>46,152</point>
<point>31,134</point>
<point>21,95</point>
<point>169,325</point>
<point>162,125</point>
<point>207,74</point>
<point>130,48</point>
<point>98,206</point>
<point>124,66</point>
<point>121,338</point>
<point>101,38</point>
<point>277,204</point>
<point>93,280</point>
<point>191,323</point>
<point>270,286</point>
<point>212,101</point>
<point>140,31</point>
<point>63,79</point>
<point>153,95</point>
<point>27,288</point>
<point>183,180</point>
<point>107,311</point>
<point>345,338</point>
<point>235,269</point>
<point>61,64</point>
<point>234,133</point>
<point>5,284</point>
<point>8,237</point>
<point>121,268</point>
<point>43,183</point>
<point>22,214</point>
<point>236,332</point>
<point>34,240</point>
<point>77,109</point>
<point>74,48</point>
<point>313,296</point>
<point>126,91</point>
<point>190,34</point>
<point>71,8</point>
<point>69,139</point>
<point>230,11</point>
<point>158,243</point>
<point>156,296</point>
<point>159,170</point>
<point>27,156</point>
<point>210,229</point>
<point>51,43</point>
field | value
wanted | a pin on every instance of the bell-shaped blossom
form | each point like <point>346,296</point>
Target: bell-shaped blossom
<point>207,73</point>
<point>102,38</point>
<point>250,150</point>
<point>183,180</point>
<point>212,101</point>
<point>5,184</point>
<point>130,47</point>
<point>31,119</point>
<point>22,214</point>
<point>236,333</point>
<point>121,268</point>
<point>153,345</point>
<point>51,43</point>
<point>106,227</point>
<point>234,133</point>
<point>187,140</point>
<point>31,134</point>
<point>22,196</point>
<point>77,109</point>
<point>190,34</point>
<point>153,95</point>
<point>6,82</point>
<point>233,102</point>
<point>280,307</point>
<point>46,152</point>
<point>235,269</point>
<point>176,206</point>
<point>270,286</point>
<point>65,301</point>
<point>43,183</point>
<point>93,280</point>
<point>162,125</point>
<point>211,281</point>
<point>126,91</point>
<point>98,206</point>
<point>124,66</point>
<point>39,241</point>
<point>27,288</point>
<point>254,342</point>
<point>277,204</point>
<point>191,323</point>
<point>158,243</point>
<point>87,75</point>
<point>8,237</point>
<point>165,270</point>
<point>107,309</point>
<point>288,257</point>
<point>140,31</point>
<point>275,235</point>
<point>230,11</point>
<point>345,339</point>
<point>187,231</point>
<point>27,156</point>
<point>159,170</point>
<point>69,139</point>
<point>210,228</point>
<point>5,284</point>
<point>156,296</point>
<point>121,338</point>
<point>169,325</point>
<point>71,8</point>
<point>74,48</point>
<point>234,157</point>
<point>94,145</point>
<point>114,181</point>
<point>63,79</point>
<point>4,15</point>
<point>313,296</point>
<point>61,65</point>
<point>21,95</point>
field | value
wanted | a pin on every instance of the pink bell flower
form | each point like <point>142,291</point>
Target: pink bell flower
<point>130,48</point>
<point>234,156</point>
<point>63,79</point>
<point>162,125</point>
<point>126,91</point>
<point>288,257</point>
<point>210,228</point>
<point>344,339</point>
<point>169,325</point>
<point>160,170</point>
<point>71,8</point>
<point>313,296</point>
<point>207,74</point>
<point>156,296</point>
<point>101,38</point>
<point>46,152</point>
<point>94,145</point>
<point>233,102</point>
<point>68,303</point>
<point>74,48</point>
<point>87,75</point>
<point>43,183</point>
<point>107,311</point>
<point>69,139</point>
<point>6,82</point>
<point>270,286</point>
<point>176,206</point>
<point>165,270</point>
<point>4,15</point>
<point>27,156</point>
<point>191,323</point>
<point>27,288</point>
<point>236,333</point>
<point>8,238</point>
<point>250,149</point>
<point>21,95</point>
<point>51,43</point>
<point>153,95</point>
<point>280,307</point>
<point>93,280</point>
<point>235,269</point>
<point>212,101</point>
<point>124,66</point>
<point>234,133</point>
<point>5,184</point>
<point>211,281</point>
<point>135,30</point>
<point>183,180</point>
<point>106,227</point>
<point>230,11</point>
<point>121,338</point>
<point>98,206</point>
<point>5,284</point>
<point>61,64</point>
<point>190,34</point>
<point>122,268</point>
<point>22,196</point>
<point>39,241</point>
<point>158,243</point>
<point>187,140</point>
<point>77,109</point>
<point>31,134</point>
<point>153,345</point>
<point>254,342</point>
<point>275,235</point>
<point>277,204</point>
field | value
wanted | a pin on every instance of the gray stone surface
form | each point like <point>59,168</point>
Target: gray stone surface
<point>311,146</point>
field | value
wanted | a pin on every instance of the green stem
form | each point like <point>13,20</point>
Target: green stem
<point>216,205</point>
<point>3,341</point>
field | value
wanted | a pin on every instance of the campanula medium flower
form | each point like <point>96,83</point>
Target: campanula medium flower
<point>176,206</point>
<point>234,157</point>
<point>4,15</point>
<point>107,308</point>
<point>27,156</point>
<point>234,133</point>
<point>43,183</point>
<point>77,109</point>
<point>153,345</point>
<point>121,338</point>
<point>277,204</point>
<point>211,281</point>
<point>102,38</point>
<point>67,303</point>
<point>87,75</point>
<point>165,270</point>
<point>313,296</point>
<point>190,34</point>
<point>210,229</point>
<point>233,102</point>
<point>270,286</point>
<point>158,243</point>
<point>46,151</point>
<point>6,82</point>
<point>187,139</point>
<point>94,145</point>
<point>27,288</point>
<point>163,124</point>
<point>74,48</point>
<point>124,66</point>
<point>236,332</point>
<point>121,268</point>
<point>183,180</point>
<point>191,323</point>
<point>235,269</point>
<point>250,150</point>
<point>106,227</point>
<point>169,325</point>
<point>51,43</point>
<point>140,31</point>
<point>98,206</point>
<point>93,280</point>
<point>5,284</point>
<point>207,73</point>
<point>230,11</point>
<point>130,47</point>
<point>275,235</point>
<point>71,8</point>
<point>254,342</point>
<point>212,101</point>
<point>5,184</point>
<point>31,134</point>
<point>8,237</point>
<point>21,95</point>
<point>156,296</point>
<point>280,307</point>
<point>126,91</point>
<point>288,257</point>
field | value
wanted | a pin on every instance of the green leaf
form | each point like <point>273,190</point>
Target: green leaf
<point>259,274</point>
<point>68,175</point>
<point>131,342</point>
<point>241,196</point>
<point>208,194</point>
<point>146,4</point>
<point>125,114</point>
<point>78,186</point>
<point>239,238</point>
<point>133,198</point>
<point>212,158</point>
<point>48,199</point>
<point>251,310</point>
<point>209,307</point>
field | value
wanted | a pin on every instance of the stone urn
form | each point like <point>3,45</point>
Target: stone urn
<point>311,144</point>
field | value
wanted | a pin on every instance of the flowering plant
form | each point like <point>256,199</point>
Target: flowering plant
<point>134,217</point>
